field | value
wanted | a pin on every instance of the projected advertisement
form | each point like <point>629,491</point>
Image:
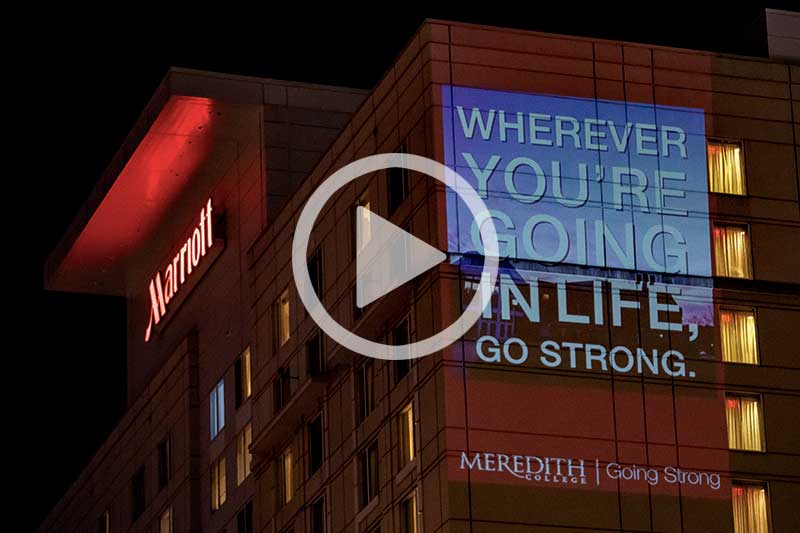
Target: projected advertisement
<point>601,210</point>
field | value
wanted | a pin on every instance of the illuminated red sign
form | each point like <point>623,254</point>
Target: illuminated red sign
<point>177,272</point>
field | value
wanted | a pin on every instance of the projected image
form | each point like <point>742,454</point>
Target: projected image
<point>603,313</point>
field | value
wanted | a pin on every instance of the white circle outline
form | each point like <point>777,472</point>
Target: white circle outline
<point>302,235</point>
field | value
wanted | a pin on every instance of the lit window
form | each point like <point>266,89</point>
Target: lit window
<point>745,426</point>
<point>365,388</point>
<point>316,444</point>
<point>243,457</point>
<point>725,169</point>
<point>219,489</point>
<point>362,220</point>
<point>738,334</point>
<point>283,324</point>
<point>408,514</point>
<point>286,476</point>
<point>164,463</point>
<point>165,522</point>
<point>243,377</point>
<point>217,402</point>
<point>732,251</point>
<point>104,522</point>
<point>369,474</point>
<point>407,452</point>
<point>749,508</point>
<point>318,516</point>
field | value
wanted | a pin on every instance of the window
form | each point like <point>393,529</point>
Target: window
<point>243,378</point>
<point>738,335</point>
<point>316,444</point>
<point>400,336</point>
<point>732,251</point>
<point>408,514</point>
<point>217,408</point>
<point>244,519</point>
<point>749,508</point>
<point>745,426</point>
<point>219,487</point>
<point>286,480</point>
<point>398,184</point>
<point>282,388</point>
<point>282,323</point>
<point>318,516</point>
<point>362,225</point>
<point>165,521</point>
<point>104,522</point>
<point>314,265</point>
<point>164,463</point>
<point>137,494</point>
<point>725,168</point>
<point>407,452</point>
<point>369,473</point>
<point>243,457</point>
<point>315,362</point>
<point>365,389</point>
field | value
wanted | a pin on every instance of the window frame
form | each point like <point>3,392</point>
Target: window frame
<point>408,435</point>
<point>279,340</point>
<point>219,483</point>
<point>314,467</point>
<point>739,224</point>
<point>217,408</point>
<point>368,490</point>
<point>739,308</point>
<point>165,463</point>
<point>740,482</point>
<point>410,496</point>
<point>286,479</point>
<point>761,418</point>
<point>742,161</point>
<point>363,396</point>
<point>244,459</point>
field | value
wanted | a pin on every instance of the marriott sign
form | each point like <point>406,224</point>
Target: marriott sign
<point>177,272</point>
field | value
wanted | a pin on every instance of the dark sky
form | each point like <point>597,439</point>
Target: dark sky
<point>82,89</point>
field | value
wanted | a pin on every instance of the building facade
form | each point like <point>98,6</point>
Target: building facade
<point>635,368</point>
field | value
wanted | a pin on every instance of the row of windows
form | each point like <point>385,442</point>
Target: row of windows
<point>368,460</point>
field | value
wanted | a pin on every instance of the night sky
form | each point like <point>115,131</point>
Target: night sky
<point>82,89</point>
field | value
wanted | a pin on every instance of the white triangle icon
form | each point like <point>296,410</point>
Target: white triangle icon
<point>387,256</point>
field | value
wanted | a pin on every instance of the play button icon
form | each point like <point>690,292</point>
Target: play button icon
<point>389,258</point>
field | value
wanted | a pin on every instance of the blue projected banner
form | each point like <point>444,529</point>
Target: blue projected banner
<point>581,181</point>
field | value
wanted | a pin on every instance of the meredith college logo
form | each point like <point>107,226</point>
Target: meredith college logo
<point>177,272</point>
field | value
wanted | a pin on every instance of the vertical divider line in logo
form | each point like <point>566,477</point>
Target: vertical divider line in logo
<point>597,472</point>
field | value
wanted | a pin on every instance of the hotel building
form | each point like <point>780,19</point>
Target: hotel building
<point>243,416</point>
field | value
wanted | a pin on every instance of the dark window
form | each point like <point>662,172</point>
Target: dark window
<point>314,355</point>
<point>282,389</point>
<point>164,462</point>
<point>318,516</point>
<point>358,312</point>
<point>239,397</point>
<point>244,519</point>
<point>315,271</point>
<point>398,184</point>
<point>401,335</point>
<point>365,388</point>
<point>369,473</point>
<point>137,494</point>
<point>104,522</point>
<point>408,515</point>
<point>316,444</point>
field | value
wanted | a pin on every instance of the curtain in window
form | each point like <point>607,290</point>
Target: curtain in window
<point>732,251</point>
<point>738,333</point>
<point>725,168</point>
<point>743,414</point>
<point>749,509</point>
